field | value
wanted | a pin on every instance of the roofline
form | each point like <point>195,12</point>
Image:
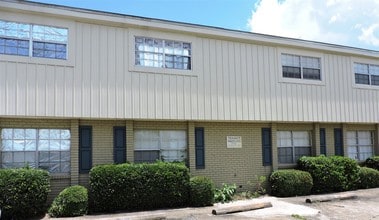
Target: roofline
<point>133,20</point>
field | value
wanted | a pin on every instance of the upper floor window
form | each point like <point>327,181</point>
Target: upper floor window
<point>159,53</point>
<point>366,74</point>
<point>33,40</point>
<point>301,67</point>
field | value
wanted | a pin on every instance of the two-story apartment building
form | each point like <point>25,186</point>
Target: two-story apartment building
<point>80,88</point>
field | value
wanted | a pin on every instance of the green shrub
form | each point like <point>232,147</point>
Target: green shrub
<point>372,162</point>
<point>368,178</point>
<point>226,193</point>
<point>331,174</point>
<point>138,186</point>
<point>72,201</point>
<point>23,192</point>
<point>286,183</point>
<point>202,191</point>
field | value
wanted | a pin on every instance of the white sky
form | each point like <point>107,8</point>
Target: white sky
<point>345,22</point>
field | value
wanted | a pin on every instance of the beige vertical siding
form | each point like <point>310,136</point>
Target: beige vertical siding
<point>232,79</point>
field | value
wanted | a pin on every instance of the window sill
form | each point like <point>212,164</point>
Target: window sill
<point>156,70</point>
<point>36,60</point>
<point>56,176</point>
<point>302,81</point>
<point>287,166</point>
<point>362,86</point>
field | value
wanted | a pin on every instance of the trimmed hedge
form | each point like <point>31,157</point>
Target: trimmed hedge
<point>368,178</point>
<point>372,162</point>
<point>138,186</point>
<point>23,192</point>
<point>285,183</point>
<point>202,191</point>
<point>72,201</point>
<point>331,174</point>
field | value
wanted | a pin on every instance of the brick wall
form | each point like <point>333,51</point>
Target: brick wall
<point>232,165</point>
<point>222,164</point>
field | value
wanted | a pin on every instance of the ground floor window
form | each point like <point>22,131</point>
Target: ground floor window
<point>47,149</point>
<point>166,145</point>
<point>360,144</point>
<point>292,145</point>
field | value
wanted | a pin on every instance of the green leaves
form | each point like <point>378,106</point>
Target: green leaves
<point>331,174</point>
<point>225,194</point>
<point>202,191</point>
<point>23,192</point>
<point>72,201</point>
<point>286,183</point>
<point>138,186</point>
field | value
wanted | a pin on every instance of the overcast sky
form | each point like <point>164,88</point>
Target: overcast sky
<point>352,23</point>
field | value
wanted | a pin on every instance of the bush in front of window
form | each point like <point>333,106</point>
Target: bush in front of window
<point>138,186</point>
<point>202,191</point>
<point>368,178</point>
<point>285,183</point>
<point>72,201</point>
<point>23,192</point>
<point>331,174</point>
<point>372,162</point>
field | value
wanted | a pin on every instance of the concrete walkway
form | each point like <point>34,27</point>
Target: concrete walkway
<point>364,206</point>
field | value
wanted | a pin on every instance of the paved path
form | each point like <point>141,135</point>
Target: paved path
<point>365,206</point>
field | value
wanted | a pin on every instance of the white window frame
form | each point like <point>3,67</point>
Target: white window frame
<point>35,145</point>
<point>33,36</point>
<point>292,144</point>
<point>370,74</point>
<point>160,147</point>
<point>193,72</point>
<point>355,146</point>
<point>300,53</point>
<point>160,51</point>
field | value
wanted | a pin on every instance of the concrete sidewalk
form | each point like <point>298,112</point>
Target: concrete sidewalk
<point>362,207</point>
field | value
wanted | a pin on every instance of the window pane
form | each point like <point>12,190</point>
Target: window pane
<point>285,155</point>
<point>31,133</point>
<point>7,157</point>
<point>284,138</point>
<point>374,80</point>
<point>43,145</point>
<point>55,145</point>
<point>362,79</point>
<point>146,140</point>
<point>290,60</point>
<point>310,62</point>
<point>301,138</point>
<point>7,145</point>
<point>361,68</point>
<point>291,72</point>
<point>311,73</point>
<point>19,134</point>
<point>6,133</point>
<point>19,157</point>
<point>18,145</point>
<point>353,152</point>
<point>30,157</point>
<point>30,145</point>
<point>146,156</point>
<point>44,134</point>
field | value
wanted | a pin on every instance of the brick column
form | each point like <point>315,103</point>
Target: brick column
<point>74,152</point>
<point>274,129</point>
<point>316,139</point>
<point>129,141</point>
<point>191,145</point>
